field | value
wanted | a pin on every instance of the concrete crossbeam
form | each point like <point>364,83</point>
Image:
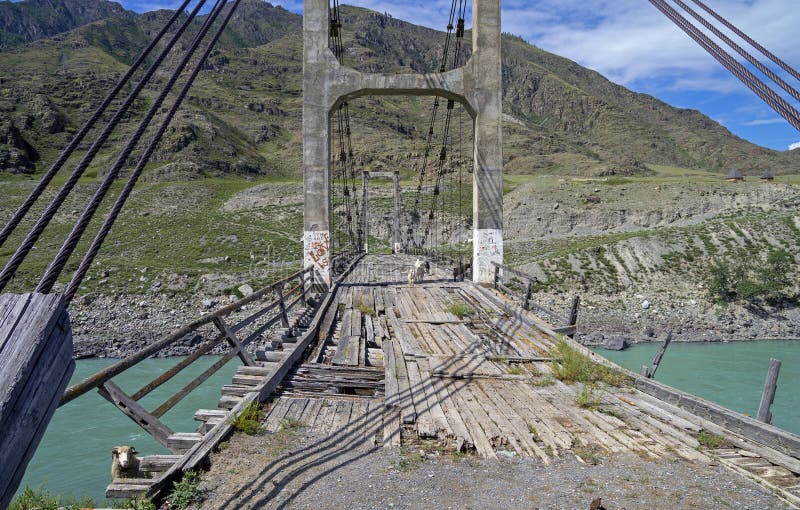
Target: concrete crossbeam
<point>477,86</point>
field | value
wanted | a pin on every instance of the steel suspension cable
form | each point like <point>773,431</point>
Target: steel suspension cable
<point>783,65</point>
<point>741,51</point>
<point>432,124</point>
<point>749,79</point>
<point>68,247</point>
<point>30,239</point>
<point>23,209</point>
<point>456,61</point>
<point>97,243</point>
<point>346,157</point>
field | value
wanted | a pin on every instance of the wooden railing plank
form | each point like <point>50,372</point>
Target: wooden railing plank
<point>150,423</point>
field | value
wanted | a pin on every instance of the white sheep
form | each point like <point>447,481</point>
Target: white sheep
<point>125,464</point>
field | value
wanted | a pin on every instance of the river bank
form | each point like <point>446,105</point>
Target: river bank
<point>114,326</point>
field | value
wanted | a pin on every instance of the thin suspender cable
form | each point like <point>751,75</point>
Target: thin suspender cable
<point>761,67</point>
<point>432,124</point>
<point>81,134</point>
<point>97,243</point>
<point>751,81</point>
<point>69,245</point>
<point>27,244</point>
<point>786,67</point>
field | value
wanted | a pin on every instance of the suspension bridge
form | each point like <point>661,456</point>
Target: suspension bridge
<point>350,345</point>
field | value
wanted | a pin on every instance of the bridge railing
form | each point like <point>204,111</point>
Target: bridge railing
<point>519,286</point>
<point>288,292</point>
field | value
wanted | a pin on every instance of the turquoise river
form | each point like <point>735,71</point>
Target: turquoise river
<point>74,456</point>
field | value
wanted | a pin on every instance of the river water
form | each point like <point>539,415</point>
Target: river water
<point>730,374</point>
<point>74,456</point>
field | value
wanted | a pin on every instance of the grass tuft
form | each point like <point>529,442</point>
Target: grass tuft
<point>249,420</point>
<point>709,440</point>
<point>574,366</point>
<point>460,309</point>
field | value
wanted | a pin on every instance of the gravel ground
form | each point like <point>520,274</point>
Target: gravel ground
<point>294,469</point>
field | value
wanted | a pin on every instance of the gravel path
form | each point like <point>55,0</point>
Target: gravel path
<point>295,469</point>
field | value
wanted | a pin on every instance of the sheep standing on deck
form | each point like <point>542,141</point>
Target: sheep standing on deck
<point>419,270</point>
<point>411,276</point>
<point>125,464</point>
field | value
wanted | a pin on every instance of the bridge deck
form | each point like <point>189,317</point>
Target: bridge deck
<point>478,381</point>
<point>402,365</point>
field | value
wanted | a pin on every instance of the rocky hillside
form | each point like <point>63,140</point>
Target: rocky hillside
<point>243,116</point>
<point>31,20</point>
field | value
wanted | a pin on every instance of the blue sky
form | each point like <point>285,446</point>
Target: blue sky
<point>633,44</point>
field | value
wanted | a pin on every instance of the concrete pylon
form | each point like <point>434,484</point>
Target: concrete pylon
<point>477,86</point>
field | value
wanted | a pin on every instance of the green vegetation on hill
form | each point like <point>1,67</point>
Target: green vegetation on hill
<point>243,115</point>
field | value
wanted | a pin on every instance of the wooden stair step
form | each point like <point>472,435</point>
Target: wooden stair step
<point>236,390</point>
<point>208,425</point>
<point>126,488</point>
<point>207,414</point>
<point>271,356</point>
<point>183,440</point>
<point>256,370</point>
<point>157,463</point>
<point>247,380</point>
<point>228,402</point>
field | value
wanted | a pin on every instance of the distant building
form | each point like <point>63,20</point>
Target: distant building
<point>734,176</point>
<point>767,176</point>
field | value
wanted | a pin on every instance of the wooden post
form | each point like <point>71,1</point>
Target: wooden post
<point>645,371</point>
<point>35,367</point>
<point>526,302</point>
<point>364,223</point>
<point>398,204</point>
<point>659,355</point>
<point>284,315</point>
<point>302,280</point>
<point>573,311</point>
<point>768,396</point>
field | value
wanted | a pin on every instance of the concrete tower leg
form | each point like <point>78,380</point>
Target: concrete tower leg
<point>488,174</point>
<point>317,240</point>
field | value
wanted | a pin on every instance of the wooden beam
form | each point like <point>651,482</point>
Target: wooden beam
<point>151,424</point>
<point>230,336</point>
<point>660,354</point>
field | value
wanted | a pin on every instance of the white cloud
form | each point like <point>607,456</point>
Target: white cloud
<point>764,122</point>
<point>794,146</point>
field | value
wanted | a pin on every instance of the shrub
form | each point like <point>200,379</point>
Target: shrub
<point>709,440</point>
<point>41,499</point>
<point>186,491</point>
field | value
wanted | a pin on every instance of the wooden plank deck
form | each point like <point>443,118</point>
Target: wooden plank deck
<point>483,383</point>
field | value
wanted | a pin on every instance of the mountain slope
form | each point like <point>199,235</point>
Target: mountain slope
<point>243,115</point>
<point>30,20</point>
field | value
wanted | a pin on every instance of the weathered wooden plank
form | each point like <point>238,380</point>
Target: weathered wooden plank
<point>35,367</point>
<point>157,463</point>
<point>136,412</point>
<point>230,336</point>
<point>347,351</point>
